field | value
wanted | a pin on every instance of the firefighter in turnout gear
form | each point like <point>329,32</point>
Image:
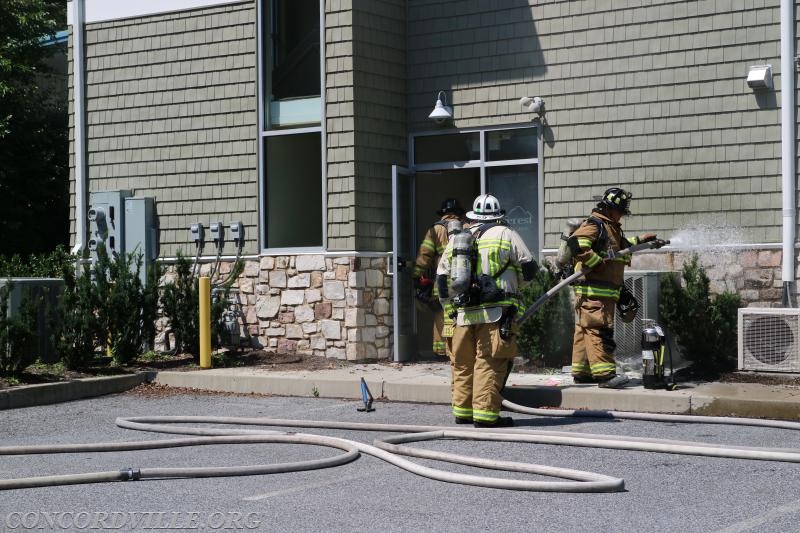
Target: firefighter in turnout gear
<point>597,294</point>
<point>484,304</point>
<point>433,244</point>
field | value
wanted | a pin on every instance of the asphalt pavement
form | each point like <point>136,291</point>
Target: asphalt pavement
<point>664,492</point>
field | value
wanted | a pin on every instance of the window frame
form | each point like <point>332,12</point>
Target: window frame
<point>262,53</point>
<point>482,164</point>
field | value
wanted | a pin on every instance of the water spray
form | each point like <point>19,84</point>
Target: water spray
<point>651,245</point>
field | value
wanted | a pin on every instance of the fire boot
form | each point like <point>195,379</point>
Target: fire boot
<point>615,382</point>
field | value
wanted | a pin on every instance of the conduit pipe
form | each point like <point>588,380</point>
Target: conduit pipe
<point>79,115</point>
<point>788,172</point>
<point>388,449</point>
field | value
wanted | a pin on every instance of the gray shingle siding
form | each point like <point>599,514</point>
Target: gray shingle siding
<point>171,113</point>
<point>379,79</point>
<point>365,95</point>
<point>651,97</point>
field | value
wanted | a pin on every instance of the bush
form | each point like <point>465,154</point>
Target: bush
<point>17,333</point>
<point>181,303</point>
<point>106,305</point>
<point>704,329</point>
<point>78,327</point>
<point>127,309</point>
<point>37,265</point>
<point>547,334</point>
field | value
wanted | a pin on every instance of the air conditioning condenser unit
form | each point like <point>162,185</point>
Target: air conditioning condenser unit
<point>769,339</point>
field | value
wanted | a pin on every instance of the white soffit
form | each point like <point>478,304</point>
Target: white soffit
<point>102,10</point>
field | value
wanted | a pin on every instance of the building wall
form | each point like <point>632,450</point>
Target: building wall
<point>365,98</point>
<point>648,95</point>
<point>332,306</point>
<point>171,113</point>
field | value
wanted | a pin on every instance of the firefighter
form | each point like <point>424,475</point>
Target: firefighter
<point>430,251</point>
<point>596,295</point>
<point>484,340</point>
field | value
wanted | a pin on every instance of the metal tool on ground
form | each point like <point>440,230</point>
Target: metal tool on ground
<point>653,346</point>
<point>366,396</point>
<point>651,245</point>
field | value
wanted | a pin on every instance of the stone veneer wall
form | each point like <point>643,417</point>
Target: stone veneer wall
<point>337,307</point>
<point>340,307</point>
<point>755,275</point>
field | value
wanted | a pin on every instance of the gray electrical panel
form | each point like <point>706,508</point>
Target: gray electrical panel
<point>127,224</point>
<point>106,221</point>
<point>141,233</point>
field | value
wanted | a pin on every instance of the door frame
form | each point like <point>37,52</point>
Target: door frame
<point>402,339</point>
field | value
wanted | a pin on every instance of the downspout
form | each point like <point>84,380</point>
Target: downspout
<point>79,108</point>
<point>788,151</point>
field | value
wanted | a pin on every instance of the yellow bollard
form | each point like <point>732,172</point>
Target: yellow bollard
<point>204,290</point>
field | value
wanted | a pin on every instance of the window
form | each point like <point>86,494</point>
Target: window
<point>508,161</point>
<point>447,148</point>
<point>291,135</point>
<point>292,66</point>
<point>294,190</point>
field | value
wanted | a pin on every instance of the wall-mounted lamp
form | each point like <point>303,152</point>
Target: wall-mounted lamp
<point>759,77</point>
<point>441,112</point>
<point>534,105</point>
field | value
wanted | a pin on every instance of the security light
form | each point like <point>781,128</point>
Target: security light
<point>441,112</point>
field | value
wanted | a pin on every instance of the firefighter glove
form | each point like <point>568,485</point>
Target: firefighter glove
<point>647,237</point>
<point>423,288</point>
<point>627,305</point>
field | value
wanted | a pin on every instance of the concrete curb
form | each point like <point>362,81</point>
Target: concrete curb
<point>710,399</point>
<point>431,384</point>
<point>65,391</point>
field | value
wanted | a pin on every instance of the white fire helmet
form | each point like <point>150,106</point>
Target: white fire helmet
<point>486,207</point>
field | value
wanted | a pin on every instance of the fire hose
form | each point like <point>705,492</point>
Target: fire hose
<point>544,298</point>
<point>392,448</point>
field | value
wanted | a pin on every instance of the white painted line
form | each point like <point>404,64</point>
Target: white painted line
<point>772,514</point>
<point>311,486</point>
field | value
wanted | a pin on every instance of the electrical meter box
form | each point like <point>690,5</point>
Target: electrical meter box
<point>141,233</point>
<point>106,221</point>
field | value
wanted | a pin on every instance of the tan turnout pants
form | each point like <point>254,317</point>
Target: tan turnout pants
<point>593,344</point>
<point>480,362</point>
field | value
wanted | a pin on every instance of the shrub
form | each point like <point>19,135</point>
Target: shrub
<point>547,334</point>
<point>704,329</point>
<point>127,308</point>
<point>37,265</point>
<point>180,302</point>
<point>106,305</point>
<point>78,328</point>
<point>17,333</point>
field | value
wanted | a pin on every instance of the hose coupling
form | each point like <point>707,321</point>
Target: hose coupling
<point>130,474</point>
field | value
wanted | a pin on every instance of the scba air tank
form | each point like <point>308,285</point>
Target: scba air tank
<point>564,255</point>
<point>461,267</point>
<point>454,226</point>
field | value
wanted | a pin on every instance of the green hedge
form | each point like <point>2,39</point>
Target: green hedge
<point>704,328</point>
<point>546,335</point>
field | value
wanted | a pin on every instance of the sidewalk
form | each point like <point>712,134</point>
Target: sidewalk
<point>430,383</point>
